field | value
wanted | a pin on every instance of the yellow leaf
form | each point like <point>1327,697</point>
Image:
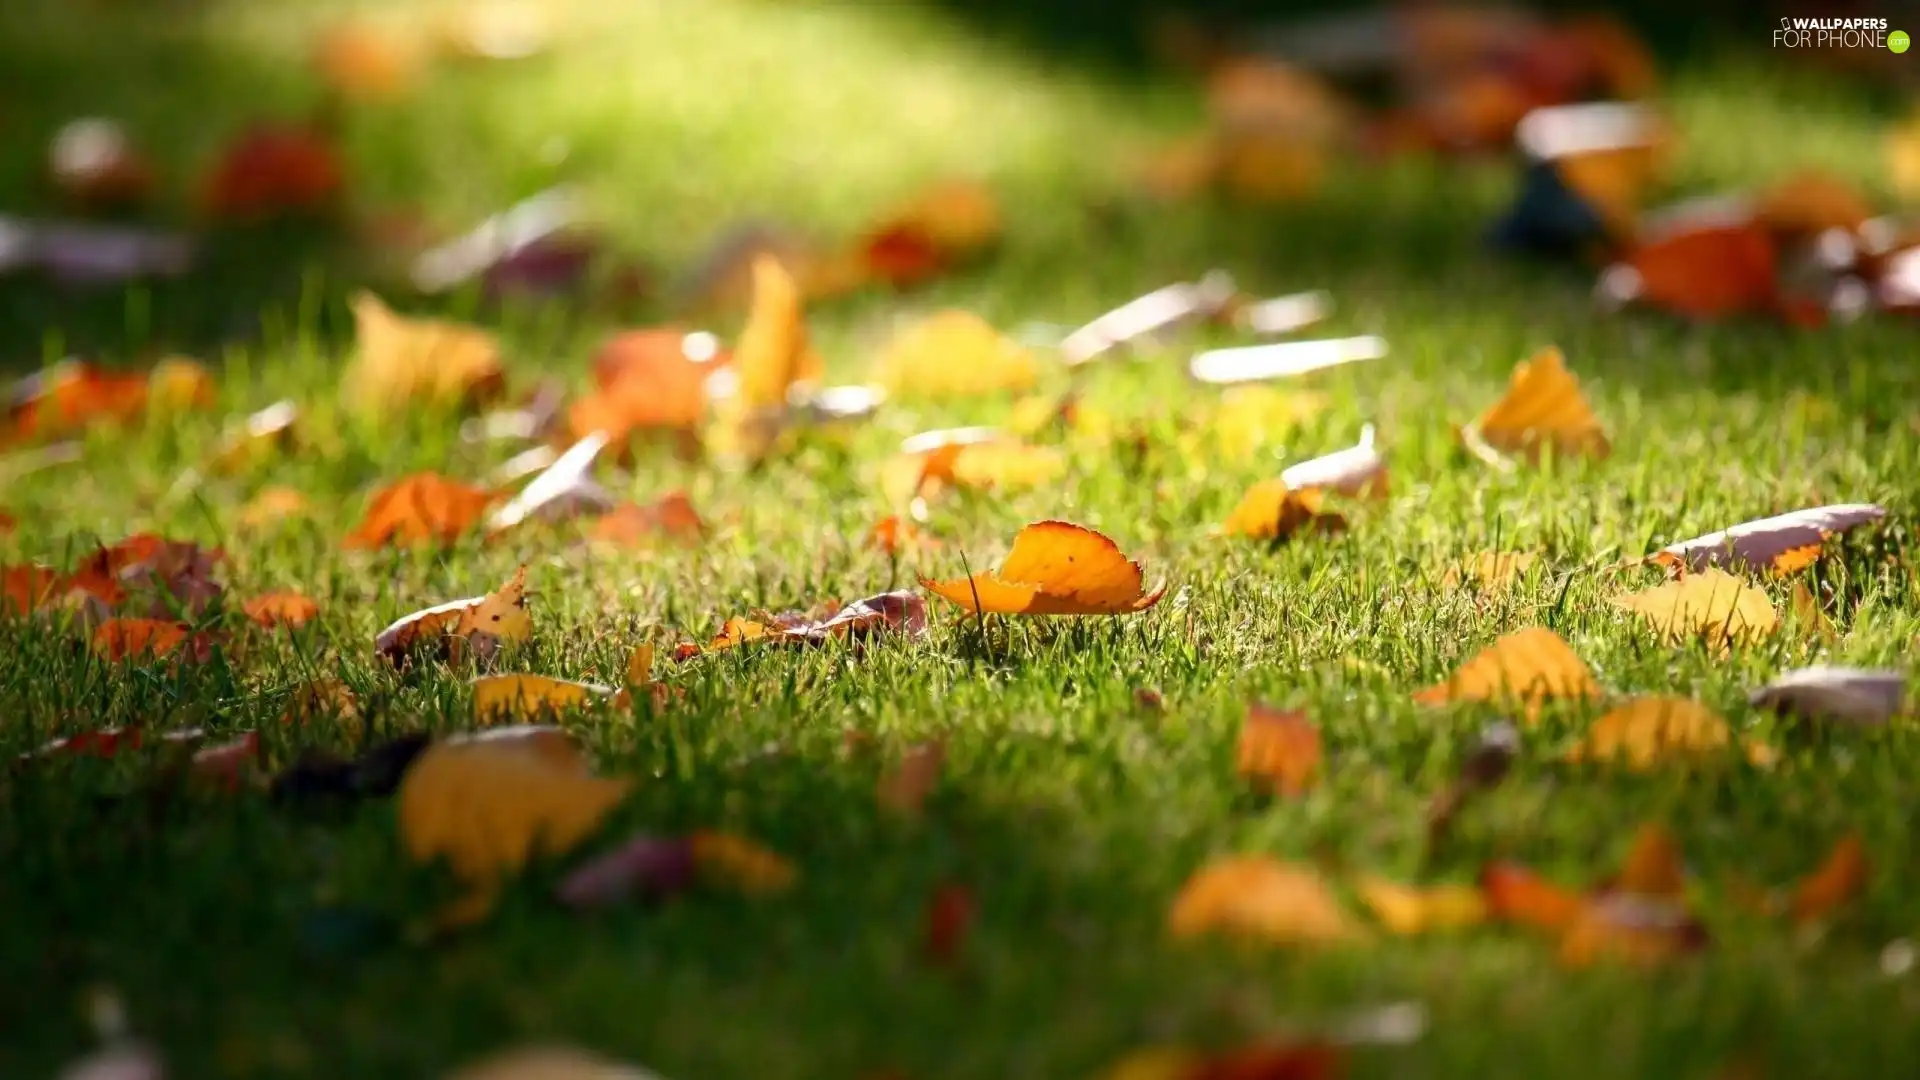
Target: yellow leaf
<point>1251,417</point>
<point>1005,464</point>
<point>273,506</point>
<point>742,863</point>
<point>529,696</point>
<point>1270,510</point>
<point>1492,570</point>
<point>1782,544</point>
<point>1649,731</point>
<point>1807,615</point>
<point>773,353</point>
<point>489,806</point>
<point>954,354</point>
<point>404,361</point>
<point>1543,406</point>
<point>1054,568</point>
<point>1527,667</point>
<point>481,623</point>
<point>1410,909</point>
<point>1262,899</point>
<point>1712,605</point>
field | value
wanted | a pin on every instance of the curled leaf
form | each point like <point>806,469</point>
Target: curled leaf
<point>1841,878</point>
<point>1847,695</point>
<point>1054,568</point>
<point>480,624</point>
<point>1357,470</point>
<point>1273,510</point>
<point>1783,544</point>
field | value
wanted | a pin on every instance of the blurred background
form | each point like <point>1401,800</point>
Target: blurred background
<point>234,169</point>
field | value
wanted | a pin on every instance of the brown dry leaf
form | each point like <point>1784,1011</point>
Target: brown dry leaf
<point>1414,909</point>
<point>1269,167</point>
<point>1054,568</point>
<point>1527,667</point>
<point>954,353</point>
<point>273,506</point>
<point>1782,544</point>
<point>1632,929</point>
<point>1259,898</point>
<point>1492,571</point>
<point>741,863</point>
<point>419,509</point>
<point>1712,605</point>
<point>488,806</point>
<point>173,576</point>
<point>670,517</point>
<point>1647,732</point>
<point>954,218</point>
<point>1270,510</point>
<point>1837,882</point>
<point>903,790</point>
<point>481,623</point>
<point>1543,407</point>
<point>1279,749</point>
<point>434,362</point>
<point>288,609</point>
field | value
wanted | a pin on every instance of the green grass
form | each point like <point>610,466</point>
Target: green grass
<point>1072,815</point>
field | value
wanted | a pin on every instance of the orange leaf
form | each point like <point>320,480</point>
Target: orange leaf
<point>741,863</point>
<point>422,508</point>
<point>1638,930</point>
<point>955,217</point>
<point>1527,667</point>
<point>288,609</point>
<point>1259,898</point>
<point>268,171</point>
<point>1705,272</point>
<point>773,356</point>
<point>653,378</point>
<point>1270,510</point>
<point>273,506</point>
<point>1838,880</point>
<point>74,395</point>
<point>1279,749</point>
<point>901,255</point>
<point>672,516</point>
<point>123,639</point>
<point>1054,568</point>
<point>1654,866</point>
<point>1517,895</point>
<point>360,62</point>
<point>23,589</point>
<point>403,361</point>
<point>1810,202</point>
<point>1648,731</point>
<point>894,534</point>
<point>1543,406</point>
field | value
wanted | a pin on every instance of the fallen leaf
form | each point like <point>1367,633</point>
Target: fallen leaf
<point>324,699</point>
<point>420,509</point>
<point>949,915</point>
<point>1260,898</point>
<point>1808,619</point>
<point>1517,895</point>
<point>531,697</point>
<point>1631,928</point>
<point>1054,568</point>
<point>954,354</point>
<point>174,577</point>
<point>1149,317</point>
<point>901,612</point>
<point>1782,544</point>
<point>1647,732</point>
<point>645,867</point>
<point>1653,866</point>
<point>266,432</point>
<point>771,358</point>
<point>481,624</point>
<point>671,517</point>
<point>648,379</point>
<point>25,589</point>
<point>1272,510</point>
<point>1838,881</point>
<point>1700,271</point>
<point>73,395</point>
<point>404,361</point>
<point>742,864</point>
<point>1410,909</point>
<point>1283,359</point>
<point>1527,667</point>
<point>489,806</point>
<point>1269,167</point>
<point>130,639</point>
<point>1279,749</point>
<point>1543,407</point>
<point>956,218</point>
<point>894,534</point>
<point>268,171</point>
<point>1493,571</point>
<point>563,489</point>
<point>1810,202</point>
<point>1847,695</point>
<point>288,609</point>
<point>1357,470</point>
<point>1713,605</point>
<point>549,1063</point>
<point>273,506</point>
<point>903,790</point>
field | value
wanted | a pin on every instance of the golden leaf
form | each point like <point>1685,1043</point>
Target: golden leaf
<point>1411,909</point>
<point>1270,510</point>
<point>1492,570</point>
<point>1712,605</point>
<point>1527,667</point>
<point>1262,899</point>
<point>1649,731</point>
<point>954,354</point>
<point>1543,406</point>
<point>404,361</point>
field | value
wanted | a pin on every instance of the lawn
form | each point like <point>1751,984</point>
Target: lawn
<point>250,938</point>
